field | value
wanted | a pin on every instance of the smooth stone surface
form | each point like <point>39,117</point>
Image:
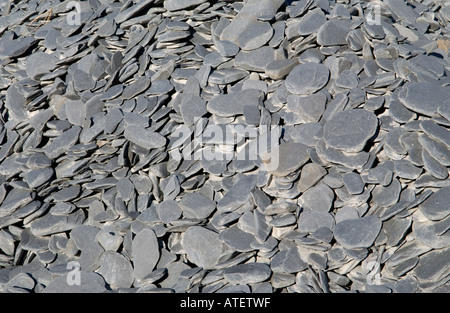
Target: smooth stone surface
<point>307,78</point>
<point>332,33</point>
<point>318,198</point>
<point>249,273</point>
<point>203,247</point>
<point>437,206</point>
<point>291,156</point>
<point>357,233</point>
<point>145,253</point>
<point>144,138</point>
<point>423,98</point>
<point>116,270</point>
<point>350,130</point>
<point>196,205</point>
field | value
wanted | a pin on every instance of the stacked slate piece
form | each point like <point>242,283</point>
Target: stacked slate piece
<point>103,103</point>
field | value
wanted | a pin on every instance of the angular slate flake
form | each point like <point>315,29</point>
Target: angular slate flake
<point>350,130</point>
<point>36,178</point>
<point>291,157</point>
<point>62,143</point>
<point>237,239</point>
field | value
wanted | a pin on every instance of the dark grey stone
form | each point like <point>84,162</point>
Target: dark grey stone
<point>307,78</point>
<point>145,253</point>
<point>249,273</point>
<point>350,130</point>
<point>203,246</point>
<point>357,233</point>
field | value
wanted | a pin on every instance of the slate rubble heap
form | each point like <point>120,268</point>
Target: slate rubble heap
<point>91,117</point>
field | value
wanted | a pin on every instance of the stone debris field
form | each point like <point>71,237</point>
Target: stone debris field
<point>256,146</point>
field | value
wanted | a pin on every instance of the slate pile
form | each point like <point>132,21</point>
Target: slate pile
<point>100,121</point>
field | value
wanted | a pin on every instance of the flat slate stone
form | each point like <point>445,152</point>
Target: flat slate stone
<point>256,35</point>
<point>196,205</point>
<point>291,157</point>
<point>405,169</point>
<point>40,63</point>
<point>311,221</point>
<point>116,269</point>
<point>176,5</point>
<point>255,60</point>
<point>423,98</point>
<point>333,33</point>
<point>233,104</point>
<point>310,175</point>
<point>350,130</point>
<point>307,78</point>
<point>318,198</point>
<point>437,206</point>
<point>92,283</point>
<point>249,273</point>
<point>433,266</point>
<point>144,138</point>
<point>62,143</point>
<point>203,247</point>
<point>145,253</point>
<point>357,233</point>
<point>353,182</point>
<point>387,196</point>
<point>168,211</point>
<point>36,178</point>
<point>311,22</point>
<point>237,239</point>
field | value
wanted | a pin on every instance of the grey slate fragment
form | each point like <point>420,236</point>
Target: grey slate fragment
<point>350,130</point>
<point>196,205</point>
<point>291,156</point>
<point>93,283</point>
<point>145,253</point>
<point>202,246</point>
<point>116,269</point>
<point>144,138</point>
<point>353,183</point>
<point>436,207</point>
<point>40,63</point>
<point>36,178</point>
<point>307,78</point>
<point>332,33</point>
<point>249,273</point>
<point>237,239</point>
<point>62,143</point>
<point>387,196</point>
<point>357,233</point>
<point>318,198</point>
<point>423,98</point>
<point>168,211</point>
